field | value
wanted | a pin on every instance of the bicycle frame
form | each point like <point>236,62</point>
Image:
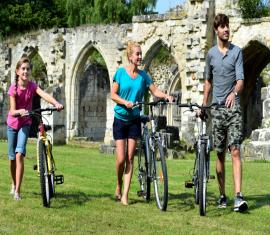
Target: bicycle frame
<point>201,167</point>
<point>147,137</point>
<point>155,162</point>
<point>48,147</point>
<point>203,138</point>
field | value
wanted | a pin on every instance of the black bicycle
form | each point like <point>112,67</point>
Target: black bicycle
<point>151,159</point>
<point>201,169</point>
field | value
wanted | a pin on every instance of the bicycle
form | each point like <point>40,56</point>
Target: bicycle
<point>151,159</point>
<point>45,166</point>
<point>201,169</point>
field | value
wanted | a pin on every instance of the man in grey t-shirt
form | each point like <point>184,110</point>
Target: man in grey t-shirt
<point>225,76</point>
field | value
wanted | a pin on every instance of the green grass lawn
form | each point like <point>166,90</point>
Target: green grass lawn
<point>85,204</point>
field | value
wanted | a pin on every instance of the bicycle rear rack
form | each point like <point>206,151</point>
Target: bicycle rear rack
<point>59,179</point>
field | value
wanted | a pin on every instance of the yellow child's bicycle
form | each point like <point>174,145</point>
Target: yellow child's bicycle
<point>45,163</point>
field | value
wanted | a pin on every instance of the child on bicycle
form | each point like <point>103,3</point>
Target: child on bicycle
<point>21,94</point>
<point>129,86</point>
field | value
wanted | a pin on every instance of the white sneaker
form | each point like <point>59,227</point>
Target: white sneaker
<point>17,196</point>
<point>12,190</point>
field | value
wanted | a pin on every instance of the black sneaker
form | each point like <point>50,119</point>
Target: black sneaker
<point>240,205</point>
<point>222,202</point>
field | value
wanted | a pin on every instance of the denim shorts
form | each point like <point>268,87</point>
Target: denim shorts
<point>126,130</point>
<point>17,140</point>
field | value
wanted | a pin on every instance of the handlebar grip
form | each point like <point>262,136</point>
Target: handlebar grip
<point>17,115</point>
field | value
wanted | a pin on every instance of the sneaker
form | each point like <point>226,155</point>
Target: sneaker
<point>17,196</point>
<point>12,190</point>
<point>222,202</point>
<point>240,205</point>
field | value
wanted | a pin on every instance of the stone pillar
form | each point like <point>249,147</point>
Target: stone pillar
<point>198,42</point>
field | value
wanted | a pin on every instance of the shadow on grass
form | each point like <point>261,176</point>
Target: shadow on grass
<point>257,201</point>
<point>185,202</point>
<point>62,200</point>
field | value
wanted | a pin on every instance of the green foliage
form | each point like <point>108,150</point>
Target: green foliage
<point>25,15</point>
<point>39,72</point>
<point>96,58</point>
<point>20,16</point>
<point>265,74</point>
<point>254,8</point>
<point>106,11</point>
<point>163,56</point>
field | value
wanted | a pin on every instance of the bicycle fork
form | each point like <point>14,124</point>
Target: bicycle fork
<point>206,141</point>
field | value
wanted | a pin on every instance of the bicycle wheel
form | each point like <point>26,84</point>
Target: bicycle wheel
<point>202,179</point>
<point>45,180</point>
<point>143,178</point>
<point>160,177</point>
<point>195,178</point>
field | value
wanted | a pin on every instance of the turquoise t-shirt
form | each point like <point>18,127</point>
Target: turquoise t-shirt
<point>131,89</point>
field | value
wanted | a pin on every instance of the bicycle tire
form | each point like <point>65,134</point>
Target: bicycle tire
<point>202,180</point>
<point>143,177</point>
<point>51,175</point>
<point>195,178</point>
<point>43,173</point>
<point>160,177</point>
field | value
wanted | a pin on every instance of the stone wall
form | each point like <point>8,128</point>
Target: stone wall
<point>94,88</point>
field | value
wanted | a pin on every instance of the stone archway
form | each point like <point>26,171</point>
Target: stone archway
<point>256,56</point>
<point>89,89</point>
<point>163,68</point>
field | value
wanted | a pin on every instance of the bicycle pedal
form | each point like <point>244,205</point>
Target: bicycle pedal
<point>189,184</point>
<point>35,167</point>
<point>212,177</point>
<point>59,179</point>
<point>140,193</point>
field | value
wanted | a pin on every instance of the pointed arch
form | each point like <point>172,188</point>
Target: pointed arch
<point>74,105</point>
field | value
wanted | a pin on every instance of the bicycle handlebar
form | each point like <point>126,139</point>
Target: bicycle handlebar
<point>153,103</point>
<point>191,105</point>
<point>37,111</point>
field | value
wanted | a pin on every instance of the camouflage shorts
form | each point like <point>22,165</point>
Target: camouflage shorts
<point>227,127</point>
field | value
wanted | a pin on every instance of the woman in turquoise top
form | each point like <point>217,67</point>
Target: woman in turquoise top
<point>129,86</point>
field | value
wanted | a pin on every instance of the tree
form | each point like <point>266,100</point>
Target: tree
<point>106,11</point>
<point>20,16</point>
<point>254,8</point>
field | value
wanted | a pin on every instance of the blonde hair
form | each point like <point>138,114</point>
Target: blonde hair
<point>21,61</point>
<point>130,46</point>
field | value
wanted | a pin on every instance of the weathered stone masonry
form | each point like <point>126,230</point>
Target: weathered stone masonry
<point>187,34</point>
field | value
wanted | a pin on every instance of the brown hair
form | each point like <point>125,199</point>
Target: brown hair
<point>130,46</point>
<point>221,20</point>
<point>21,61</point>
